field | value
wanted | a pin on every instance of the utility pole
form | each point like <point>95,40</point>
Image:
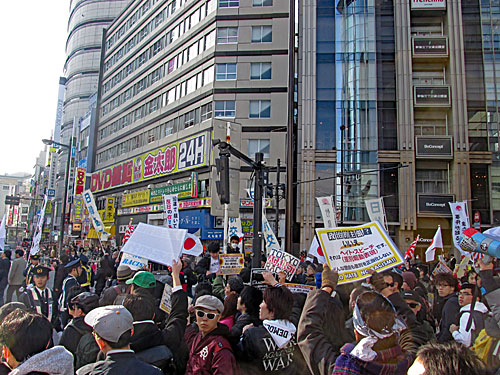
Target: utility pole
<point>277,198</point>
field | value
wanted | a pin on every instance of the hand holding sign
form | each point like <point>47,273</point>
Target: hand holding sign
<point>269,278</point>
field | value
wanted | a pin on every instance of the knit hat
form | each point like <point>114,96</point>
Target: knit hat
<point>123,272</point>
<point>410,279</point>
<point>236,284</point>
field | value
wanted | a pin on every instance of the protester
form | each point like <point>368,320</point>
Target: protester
<point>16,277</point>
<point>209,350</point>
<point>77,335</point>
<point>230,309</point>
<point>446,308</point>
<point>247,305</point>
<point>232,247</point>
<point>189,275</point>
<point>450,358</point>
<point>39,298</point>
<point>310,274</point>
<point>207,267</point>
<point>112,328</point>
<point>417,305</point>
<point>234,285</point>
<point>4,273</point>
<point>104,273</point>
<point>26,338</point>
<point>123,273</point>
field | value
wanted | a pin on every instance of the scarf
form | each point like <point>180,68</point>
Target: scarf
<point>281,331</point>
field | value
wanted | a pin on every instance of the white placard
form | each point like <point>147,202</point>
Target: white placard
<point>269,237</point>
<point>155,243</point>
<point>376,211</point>
<point>88,198</point>
<point>280,261</point>
<point>171,207</point>
<point>134,262</point>
<point>166,299</point>
<point>353,250</point>
<point>460,221</point>
<point>328,211</point>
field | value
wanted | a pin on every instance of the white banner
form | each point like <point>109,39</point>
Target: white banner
<point>271,241</point>
<point>376,211</point>
<point>88,198</point>
<point>328,211</point>
<point>3,233</point>
<point>35,247</point>
<point>134,262</point>
<point>353,251</point>
<point>155,243</point>
<point>171,207</point>
<point>460,220</point>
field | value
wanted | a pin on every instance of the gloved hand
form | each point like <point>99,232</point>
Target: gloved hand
<point>329,278</point>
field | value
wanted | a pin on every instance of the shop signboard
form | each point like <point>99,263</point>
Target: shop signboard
<point>434,147</point>
<point>183,191</point>
<point>428,4</point>
<point>183,155</point>
<point>435,204</point>
<point>137,198</point>
<point>432,96</point>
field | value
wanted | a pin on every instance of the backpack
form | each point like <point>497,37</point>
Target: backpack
<point>478,318</point>
<point>87,349</point>
<point>487,348</point>
<point>121,294</point>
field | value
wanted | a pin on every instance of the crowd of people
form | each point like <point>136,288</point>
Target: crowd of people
<point>102,317</point>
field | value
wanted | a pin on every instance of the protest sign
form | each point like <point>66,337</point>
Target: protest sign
<point>300,288</point>
<point>155,243</point>
<point>376,211</point>
<point>171,207</point>
<point>231,264</point>
<point>460,221</point>
<point>278,260</point>
<point>88,198</point>
<point>352,251</point>
<point>256,278</point>
<point>327,207</point>
<point>269,237</point>
<point>134,262</point>
<point>166,299</point>
<point>441,268</point>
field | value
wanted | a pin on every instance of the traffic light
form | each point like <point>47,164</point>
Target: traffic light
<point>12,200</point>
<point>222,165</point>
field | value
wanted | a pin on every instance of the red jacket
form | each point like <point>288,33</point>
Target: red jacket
<point>211,354</point>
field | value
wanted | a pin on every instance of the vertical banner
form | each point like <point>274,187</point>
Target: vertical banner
<point>376,211</point>
<point>234,229</point>
<point>109,215</point>
<point>171,207</point>
<point>194,185</point>
<point>3,233</point>
<point>88,198</point>
<point>327,207</point>
<point>460,221</point>
<point>51,187</point>
<point>269,237</point>
<point>39,227</point>
<point>79,181</point>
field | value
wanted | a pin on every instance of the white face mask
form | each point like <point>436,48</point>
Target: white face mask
<point>234,245</point>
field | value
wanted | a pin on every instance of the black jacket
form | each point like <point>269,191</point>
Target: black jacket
<point>449,316</point>
<point>237,329</point>
<point>4,268</point>
<point>148,345</point>
<point>73,333</point>
<point>202,267</point>
<point>119,364</point>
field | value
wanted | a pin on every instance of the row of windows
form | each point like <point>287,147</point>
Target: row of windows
<point>159,45</point>
<point>184,88</point>
<point>172,126</point>
<point>176,62</point>
<point>236,3</point>
<point>189,22</point>
<point>258,71</point>
<point>139,13</point>
<point>257,109</point>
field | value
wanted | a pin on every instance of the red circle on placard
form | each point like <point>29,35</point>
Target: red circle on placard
<point>320,251</point>
<point>189,243</point>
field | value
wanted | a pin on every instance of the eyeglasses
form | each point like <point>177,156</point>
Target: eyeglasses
<point>389,285</point>
<point>201,314</point>
<point>413,305</point>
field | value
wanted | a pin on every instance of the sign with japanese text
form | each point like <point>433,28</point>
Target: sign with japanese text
<point>166,299</point>
<point>134,262</point>
<point>137,198</point>
<point>194,203</point>
<point>460,221</point>
<point>88,198</point>
<point>183,191</point>
<point>269,237</point>
<point>185,154</point>
<point>300,288</point>
<point>353,251</point>
<point>234,227</point>
<point>247,227</point>
<point>280,261</point>
<point>109,215</point>
<point>376,211</point>
<point>328,211</point>
<point>441,268</point>
<point>171,208</point>
<point>231,264</point>
<point>79,181</point>
<point>249,203</point>
<point>78,210</point>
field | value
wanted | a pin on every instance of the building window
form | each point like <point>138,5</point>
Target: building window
<point>260,108</point>
<point>225,108</point>
<point>224,72</point>
<point>258,145</point>
<point>229,3</point>
<point>260,70</point>
<point>227,35</point>
<point>206,112</point>
<point>262,3</point>
<point>262,34</point>
<point>432,181</point>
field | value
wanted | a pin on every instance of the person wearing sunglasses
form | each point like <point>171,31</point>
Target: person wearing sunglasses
<point>417,305</point>
<point>209,350</point>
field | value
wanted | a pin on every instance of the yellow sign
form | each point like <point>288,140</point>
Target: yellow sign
<point>137,198</point>
<point>78,209</point>
<point>109,217</point>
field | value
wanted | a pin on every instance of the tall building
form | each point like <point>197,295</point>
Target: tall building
<point>174,73</point>
<point>87,20</point>
<point>393,104</point>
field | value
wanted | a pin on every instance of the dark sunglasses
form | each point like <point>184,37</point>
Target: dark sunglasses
<point>201,314</point>
<point>413,305</point>
<point>389,285</point>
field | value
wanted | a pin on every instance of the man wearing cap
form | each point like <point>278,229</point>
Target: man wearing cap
<point>74,269</point>
<point>209,350</point>
<point>39,298</point>
<point>112,328</point>
<point>28,272</point>
<point>143,281</point>
<point>123,273</point>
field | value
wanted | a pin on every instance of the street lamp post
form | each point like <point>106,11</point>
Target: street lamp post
<point>68,165</point>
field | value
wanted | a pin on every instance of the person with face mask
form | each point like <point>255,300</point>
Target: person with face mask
<point>232,247</point>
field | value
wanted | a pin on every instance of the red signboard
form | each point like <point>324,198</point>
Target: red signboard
<point>79,181</point>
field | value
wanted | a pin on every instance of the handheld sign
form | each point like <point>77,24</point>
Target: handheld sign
<point>300,288</point>
<point>230,264</point>
<point>134,262</point>
<point>278,260</point>
<point>166,299</point>
<point>157,244</point>
<point>352,251</point>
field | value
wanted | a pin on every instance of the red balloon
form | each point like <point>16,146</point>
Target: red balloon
<point>189,243</point>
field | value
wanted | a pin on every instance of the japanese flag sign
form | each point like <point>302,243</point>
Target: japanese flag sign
<point>171,207</point>
<point>352,251</point>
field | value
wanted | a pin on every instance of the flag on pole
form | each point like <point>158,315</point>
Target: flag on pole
<point>3,233</point>
<point>192,245</point>
<point>128,232</point>
<point>411,250</point>
<point>316,251</point>
<point>437,243</point>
